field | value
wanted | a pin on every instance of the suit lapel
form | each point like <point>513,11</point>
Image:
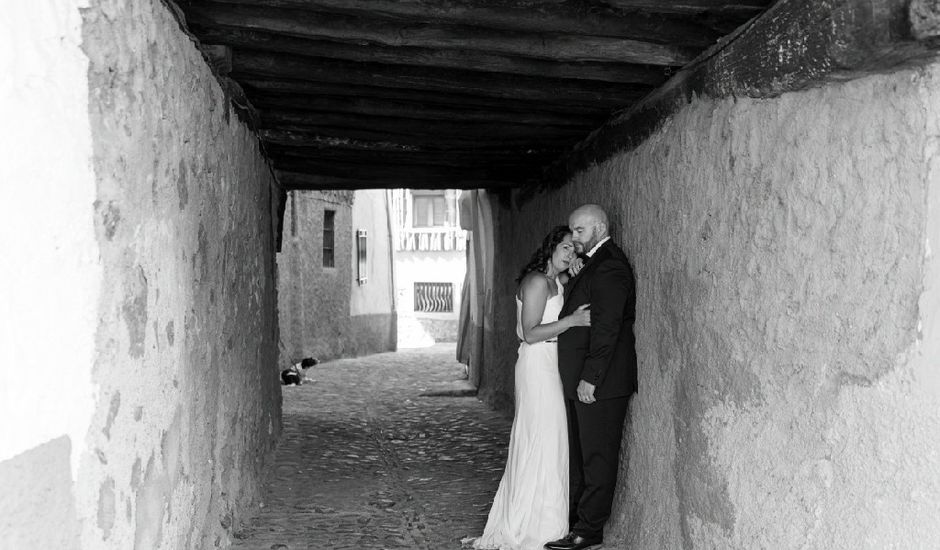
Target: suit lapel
<point>602,253</point>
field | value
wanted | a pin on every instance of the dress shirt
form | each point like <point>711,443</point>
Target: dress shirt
<point>598,245</point>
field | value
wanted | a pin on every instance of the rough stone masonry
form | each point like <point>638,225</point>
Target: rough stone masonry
<point>787,317</point>
<point>149,214</point>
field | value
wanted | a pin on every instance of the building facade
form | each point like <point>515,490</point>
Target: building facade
<point>335,294</point>
<point>430,264</point>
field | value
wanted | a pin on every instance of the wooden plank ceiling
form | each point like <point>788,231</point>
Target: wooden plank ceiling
<point>441,94</point>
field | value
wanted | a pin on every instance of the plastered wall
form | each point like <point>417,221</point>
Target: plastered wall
<point>309,292</point>
<point>155,223</point>
<point>787,318</point>
<point>372,303</point>
<point>323,311</point>
<point>430,267</point>
<point>188,406</point>
<point>50,273</point>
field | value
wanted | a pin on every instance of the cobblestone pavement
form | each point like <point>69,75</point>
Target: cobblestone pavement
<point>381,452</point>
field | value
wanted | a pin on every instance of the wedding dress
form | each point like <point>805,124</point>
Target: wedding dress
<point>531,505</point>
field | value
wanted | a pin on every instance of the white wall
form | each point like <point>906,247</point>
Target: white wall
<point>428,267</point>
<point>369,212</point>
<point>50,273</point>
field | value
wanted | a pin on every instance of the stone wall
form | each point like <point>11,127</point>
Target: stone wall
<point>171,206</point>
<point>478,301</point>
<point>316,302</point>
<point>188,404</point>
<point>313,300</point>
<point>787,318</point>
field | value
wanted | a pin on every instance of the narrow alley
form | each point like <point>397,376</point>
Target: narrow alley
<point>200,193</point>
<point>385,451</point>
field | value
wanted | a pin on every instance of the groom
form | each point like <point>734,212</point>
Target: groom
<point>598,373</point>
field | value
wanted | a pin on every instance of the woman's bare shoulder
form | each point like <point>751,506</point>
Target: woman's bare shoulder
<point>533,284</point>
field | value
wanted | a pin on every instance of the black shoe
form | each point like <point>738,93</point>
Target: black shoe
<point>573,541</point>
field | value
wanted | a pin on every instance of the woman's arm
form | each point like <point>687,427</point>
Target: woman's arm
<point>534,293</point>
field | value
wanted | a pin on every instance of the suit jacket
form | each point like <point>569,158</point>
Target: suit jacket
<point>603,354</point>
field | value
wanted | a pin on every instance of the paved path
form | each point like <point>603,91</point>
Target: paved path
<point>381,452</point>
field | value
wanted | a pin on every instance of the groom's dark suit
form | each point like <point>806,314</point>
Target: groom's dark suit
<point>603,354</point>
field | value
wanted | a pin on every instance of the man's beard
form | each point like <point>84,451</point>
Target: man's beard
<point>586,247</point>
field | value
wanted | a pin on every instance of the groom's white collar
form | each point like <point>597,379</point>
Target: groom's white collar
<point>598,245</point>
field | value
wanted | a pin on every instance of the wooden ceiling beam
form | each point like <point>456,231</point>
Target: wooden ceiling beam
<point>342,28</point>
<point>378,171</point>
<point>468,60</point>
<point>460,93</point>
<point>394,126</point>
<point>598,19</point>
<point>451,100</point>
<point>319,141</point>
<point>265,65</point>
<point>815,42</point>
<point>741,8</point>
<point>405,110</point>
<point>453,158</point>
<point>218,56</point>
<point>305,181</point>
<point>313,141</point>
<point>287,134</point>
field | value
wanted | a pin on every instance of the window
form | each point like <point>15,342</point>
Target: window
<point>430,209</point>
<point>329,224</point>
<point>434,297</point>
<point>361,242</point>
<point>293,214</point>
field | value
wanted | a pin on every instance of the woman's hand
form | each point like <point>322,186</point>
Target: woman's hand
<point>575,266</point>
<point>581,316</point>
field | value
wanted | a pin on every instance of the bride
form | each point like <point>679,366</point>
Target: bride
<point>531,504</point>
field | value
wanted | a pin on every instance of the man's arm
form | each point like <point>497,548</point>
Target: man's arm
<point>611,287</point>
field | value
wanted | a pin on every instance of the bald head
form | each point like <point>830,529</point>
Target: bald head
<point>588,225</point>
<point>590,212</point>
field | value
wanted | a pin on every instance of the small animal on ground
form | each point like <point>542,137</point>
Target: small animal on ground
<point>297,373</point>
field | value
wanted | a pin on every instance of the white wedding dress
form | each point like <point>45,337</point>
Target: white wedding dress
<point>531,505</point>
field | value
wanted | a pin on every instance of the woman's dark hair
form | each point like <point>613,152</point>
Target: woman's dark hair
<point>539,260</point>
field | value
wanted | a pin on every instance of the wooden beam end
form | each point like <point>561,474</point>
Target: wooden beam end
<point>218,56</point>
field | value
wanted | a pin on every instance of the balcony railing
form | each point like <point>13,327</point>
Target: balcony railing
<point>431,239</point>
<point>434,297</point>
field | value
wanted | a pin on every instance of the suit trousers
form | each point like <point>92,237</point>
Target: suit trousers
<point>594,435</point>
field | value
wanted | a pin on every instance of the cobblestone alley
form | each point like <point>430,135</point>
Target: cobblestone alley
<point>381,452</point>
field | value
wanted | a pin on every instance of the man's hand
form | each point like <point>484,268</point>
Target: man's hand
<point>586,392</point>
<point>575,266</point>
